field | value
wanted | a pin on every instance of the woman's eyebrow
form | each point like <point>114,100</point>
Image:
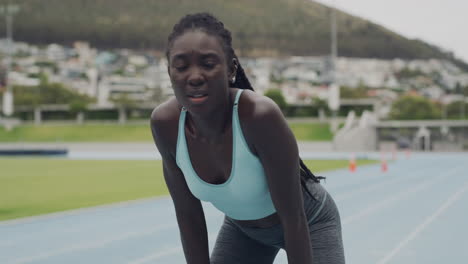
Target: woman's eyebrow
<point>184,55</point>
<point>212,58</point>
<point>179,56</point>
<point>209,55</point>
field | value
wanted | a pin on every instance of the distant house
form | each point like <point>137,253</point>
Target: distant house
<point>450,98</point>
<point>56,52</point>
<point>433,92</point>
<point>17,78</point>
<point>113,87</point>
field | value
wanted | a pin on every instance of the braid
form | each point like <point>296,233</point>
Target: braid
<point>241,78</point>
<point>212,26</point>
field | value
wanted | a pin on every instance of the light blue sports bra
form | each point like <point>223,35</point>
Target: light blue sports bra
<point>245,195</point>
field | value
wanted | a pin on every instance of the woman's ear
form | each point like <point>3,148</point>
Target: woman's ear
<point>233,70</point>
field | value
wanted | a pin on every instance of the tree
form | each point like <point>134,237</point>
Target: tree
<point>277,96</point>
<point>407,73</point>
<point>356,92</point>
<point>2,79</point>
<point>414,107</point>
<point>457,110</point>
<point>78,106</point>
<point>157,95</point>
<point>46,93</point>
<point>123,103</point>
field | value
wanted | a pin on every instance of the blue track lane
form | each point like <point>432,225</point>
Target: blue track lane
<point>416,212</point>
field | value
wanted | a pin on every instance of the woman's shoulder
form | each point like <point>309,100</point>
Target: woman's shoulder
<point>255,107</point>
<point>166,112</point>
<point>164,122</point>
<point>258,115</point>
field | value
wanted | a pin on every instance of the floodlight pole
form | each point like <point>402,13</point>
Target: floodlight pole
<point>333,56</point>
<point>334,48</point>
<point>334,40</point>
<point>8,10</point>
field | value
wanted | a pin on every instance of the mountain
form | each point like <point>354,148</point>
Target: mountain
<point>259,27</point>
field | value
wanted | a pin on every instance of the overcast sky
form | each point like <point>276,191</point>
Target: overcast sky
<point>440,22</point>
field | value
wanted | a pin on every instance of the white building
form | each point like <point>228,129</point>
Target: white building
<point>112,87</point>
<point>17,78</point>
<point>86,54</point>
<point>56,52</point>
<point>161,77</point>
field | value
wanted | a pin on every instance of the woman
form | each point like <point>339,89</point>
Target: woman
<point>223,143</point>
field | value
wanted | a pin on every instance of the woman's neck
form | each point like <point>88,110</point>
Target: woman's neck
<point>212,127</point>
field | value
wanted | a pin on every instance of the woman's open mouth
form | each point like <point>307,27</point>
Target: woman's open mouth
<point>199,98</point>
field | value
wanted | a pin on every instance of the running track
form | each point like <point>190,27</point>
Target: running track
<point>416,212</point>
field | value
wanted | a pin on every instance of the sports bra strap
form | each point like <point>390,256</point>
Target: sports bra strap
<point>236,101</point>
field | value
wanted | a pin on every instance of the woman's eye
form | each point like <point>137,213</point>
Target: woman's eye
<point>209,64</point>
<point>180,67</point>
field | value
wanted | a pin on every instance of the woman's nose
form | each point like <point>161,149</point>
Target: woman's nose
<point>196,77</point>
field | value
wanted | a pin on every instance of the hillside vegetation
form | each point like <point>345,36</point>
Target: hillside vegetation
<point>260,27</point>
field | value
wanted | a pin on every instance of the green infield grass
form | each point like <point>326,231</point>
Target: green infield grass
<point>126,133</point>
<point>78,133</point>
<point>38,186</point>
<point>311,131</point>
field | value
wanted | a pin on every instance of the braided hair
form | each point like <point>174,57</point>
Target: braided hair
<point>212,26</point>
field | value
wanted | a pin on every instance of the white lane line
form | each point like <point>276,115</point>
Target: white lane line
<point>157,255</point>
<point>164,252</point>
<point>451,200</point>
<point>91,245</point>
<point>347,195</point>
<point>160,254</point>
<point>397,196</point>
<point>372,171</point>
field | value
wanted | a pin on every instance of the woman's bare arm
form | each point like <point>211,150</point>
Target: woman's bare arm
<point>189,211</point>
<point>277,149</point>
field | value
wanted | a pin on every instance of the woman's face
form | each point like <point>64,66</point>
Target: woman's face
<point>198,71</point>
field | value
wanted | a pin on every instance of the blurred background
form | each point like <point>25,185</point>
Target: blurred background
<point>360,82</point>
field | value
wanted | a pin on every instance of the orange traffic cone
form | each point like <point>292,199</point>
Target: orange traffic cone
<point>384,166</point>
<point>352,164</point>
<point>383,163</point>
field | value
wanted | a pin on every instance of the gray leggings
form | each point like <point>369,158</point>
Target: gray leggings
<point>241,245</point>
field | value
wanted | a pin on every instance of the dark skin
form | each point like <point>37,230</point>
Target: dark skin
<point>198,64</point>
